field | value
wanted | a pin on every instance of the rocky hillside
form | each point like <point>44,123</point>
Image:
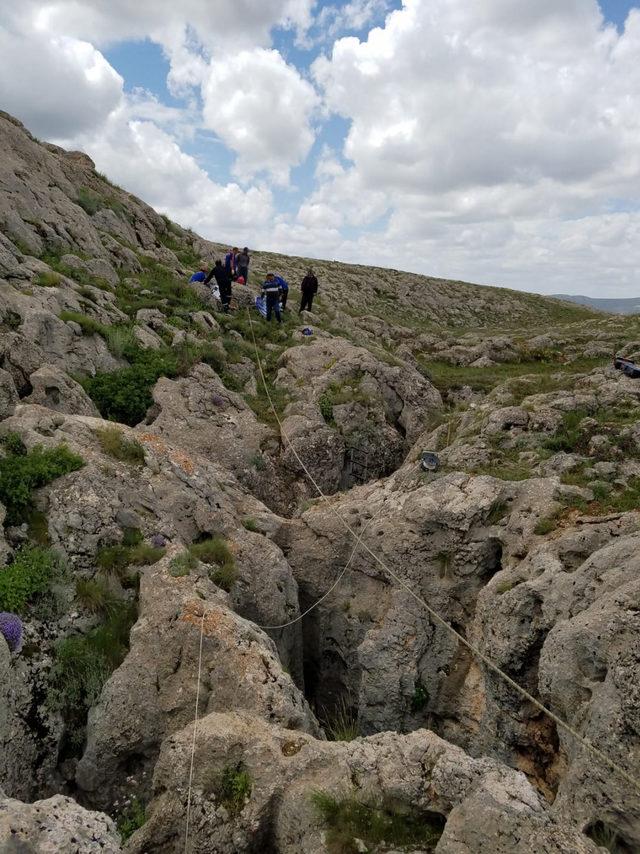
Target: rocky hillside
<point>161,539</point>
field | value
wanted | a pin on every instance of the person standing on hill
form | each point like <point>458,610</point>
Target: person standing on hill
<point>271,292</point>
<point>243,259</point>
<point>230,262</point>
<point>309,288</point>
<point>223,281</point>
<point>284,290</point>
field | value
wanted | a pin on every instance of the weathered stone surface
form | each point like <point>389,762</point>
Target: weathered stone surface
<point>55,826</point>
<point>491,806</point>
<point>240,670</point>
<point>54,389</point>
<point>8,394</point>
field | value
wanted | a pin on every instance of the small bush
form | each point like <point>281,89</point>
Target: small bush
<point>125,395</point>
<point>182,564</point>
<point>48,279</point>
<point>89,325</point>
<point>545,525</point>
<point>21,473</point>
<point>116,445</point>
<point>234,789</point>
<point>251,525</point>
<point>13,444</point>
<point>26,583</point>
<point>216,553</point>
<point>131,819</point>
<point>348,819</point>
<point>90,201</point>
<point>325,404</point>
<point>82,665</point>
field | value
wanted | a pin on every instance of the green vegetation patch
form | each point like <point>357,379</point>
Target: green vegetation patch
<point>95,596</point>
<point>116,560</point>
<point>234,788</point>
<point>525,378</point>
<point>349,819</point>
<point>341,723</point>
<point>48,279</point>
<point>21,473</point>
<point>89,325</point>
<point>26,584</point>
<point>113,442</point>
<point>131,818</point>
<point>216,553</point>
<point>82,665</point>
<point>182,564</point>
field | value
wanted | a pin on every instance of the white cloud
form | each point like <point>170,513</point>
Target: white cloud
<point>261,108</point>
<point>147,161</point>
<point>56,84</point>
<point>501,135</point>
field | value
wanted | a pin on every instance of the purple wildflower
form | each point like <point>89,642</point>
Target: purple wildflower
<point>11,628</point>
<point>218,400</point>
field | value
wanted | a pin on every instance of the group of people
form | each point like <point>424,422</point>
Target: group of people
<point>274,290</point>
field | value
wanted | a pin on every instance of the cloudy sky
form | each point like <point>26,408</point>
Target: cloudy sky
<point>496,141</point>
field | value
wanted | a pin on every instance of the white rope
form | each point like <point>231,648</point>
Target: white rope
<point>333,586</point>
<point>195,730</point>
<point>585,742</point>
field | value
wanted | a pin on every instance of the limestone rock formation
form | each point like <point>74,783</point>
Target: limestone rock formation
<point>55,826</point>
<point>485,805</point>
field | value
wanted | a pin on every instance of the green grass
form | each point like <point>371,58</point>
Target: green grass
<point>541,377</point>
<point>82,665</point>
<point>182,564</point>
<point>349,819</point>
<point>117,446</point>
<point>22,473</point>
<point>89,325</point>
<point>168,292</point>
<point>216,553</point>
<point>26,583</point>
<point>120,339</point>
<point>95,596</point>
<point>251,524</point>
<point>234,788</point>
<point>116,560</point>
<point>48,279</point>
<point>341,724</point>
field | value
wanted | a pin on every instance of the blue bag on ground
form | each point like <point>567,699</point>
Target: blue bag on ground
<point>261,305</point>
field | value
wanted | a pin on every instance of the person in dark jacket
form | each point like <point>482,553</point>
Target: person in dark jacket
<point>309,288</point>
<point>243,259</point>
<point>223,281</point>
<point>271,292</point>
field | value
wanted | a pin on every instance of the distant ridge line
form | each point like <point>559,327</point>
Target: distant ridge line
<point>614,305</point>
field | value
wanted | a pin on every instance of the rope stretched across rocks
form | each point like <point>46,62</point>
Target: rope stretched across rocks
<point>435,616</point>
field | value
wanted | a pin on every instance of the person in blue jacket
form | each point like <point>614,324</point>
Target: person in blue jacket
<point>271,292</point>
<point>230,262</point>
<point>284,290</point>
<point>201,273</point>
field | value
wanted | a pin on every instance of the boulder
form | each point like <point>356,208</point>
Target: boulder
<point>153,693</point>
<point>472,804</point>
<point>54,389</point>
<point>55,826</point>
<point>8,394</point>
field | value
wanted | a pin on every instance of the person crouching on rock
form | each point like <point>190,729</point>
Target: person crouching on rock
<point>223,281</point>
<point>201,273</point>
<point>271,292</point>
<point>309,288</point>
